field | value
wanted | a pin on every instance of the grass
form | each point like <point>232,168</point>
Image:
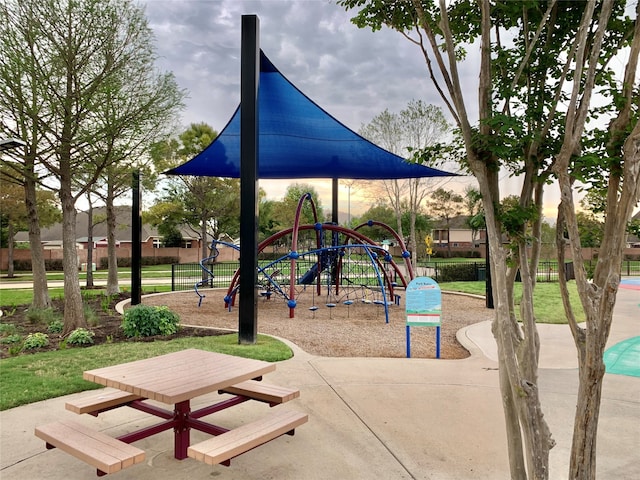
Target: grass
<point>547,303</point>
<point>31,378</point>
<point>13,297</point>
<point>148,271</point>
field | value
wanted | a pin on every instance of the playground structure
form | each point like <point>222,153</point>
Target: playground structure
<point>339,265</point>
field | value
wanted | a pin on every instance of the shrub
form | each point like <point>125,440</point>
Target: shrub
<point>35,340</point>
<point>42,315</point>
<point>90,315</point>
<point>462,272</point>
<point>7,329</point>
<point>11,339</point>
<point>125,262</point>
<point>51,265</point>
<point>146,321</point>
<point>55,326</point>
<point>80,336</point>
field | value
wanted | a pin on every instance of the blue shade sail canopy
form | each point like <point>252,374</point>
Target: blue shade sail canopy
<point>298,139</point>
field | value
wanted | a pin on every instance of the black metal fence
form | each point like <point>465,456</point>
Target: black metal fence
<point>476,271</point>
<point>185,275</point>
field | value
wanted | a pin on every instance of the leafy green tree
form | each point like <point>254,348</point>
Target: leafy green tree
<point>14,213</point>
<point>79,78</point>
<point>589,229</point>
<point>171,236</point>
<point>209,205</point>
<point>285,210</point>
<point>381,212</point>
<point>472,200</point>
<point>267,223</point>
<point>534,98</point>
<point>547,238</point>
<point>445,205</point>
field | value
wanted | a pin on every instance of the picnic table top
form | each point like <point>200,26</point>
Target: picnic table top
<point>179,376</point>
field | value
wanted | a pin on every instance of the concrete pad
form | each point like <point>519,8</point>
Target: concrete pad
<point>369,418</point>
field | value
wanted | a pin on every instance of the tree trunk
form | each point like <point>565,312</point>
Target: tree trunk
<point>585,428</point>
<point>113,287</point>
<point>528,436</point>
<point>41,299</point>
<point>73,307</point>
<point>10,270</point>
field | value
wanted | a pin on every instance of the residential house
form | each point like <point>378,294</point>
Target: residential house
<point>52,236</point>
<point>457,235</point>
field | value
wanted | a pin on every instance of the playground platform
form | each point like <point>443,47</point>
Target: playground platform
<point>377,418</point>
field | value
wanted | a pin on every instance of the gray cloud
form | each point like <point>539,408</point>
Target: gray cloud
<point>352,73</point>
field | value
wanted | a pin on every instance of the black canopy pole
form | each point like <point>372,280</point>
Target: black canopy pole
<point>136,242</point>
<point>249,80</point>
<point>334,201</point>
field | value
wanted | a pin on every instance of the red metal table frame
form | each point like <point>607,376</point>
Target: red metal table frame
<point>175,379</point>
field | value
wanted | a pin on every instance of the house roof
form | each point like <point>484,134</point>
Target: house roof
<point>459,222</point>
<point>53,234</point>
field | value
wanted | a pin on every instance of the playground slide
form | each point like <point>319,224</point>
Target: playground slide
<point>309,277</point>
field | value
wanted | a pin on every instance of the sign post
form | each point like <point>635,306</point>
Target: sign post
<point>423,307</point>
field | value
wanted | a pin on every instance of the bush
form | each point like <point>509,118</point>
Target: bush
<point>146,321</point>
<point>90,315</point>
<point>11,339</point>
<point>42,316</point>
<point>50,264</point>
<point>80,336</point>
<point>35,340</point>
<point>125,262</point>
<point>55,326</point>
<point>7,329</point>
<point>462,272</point>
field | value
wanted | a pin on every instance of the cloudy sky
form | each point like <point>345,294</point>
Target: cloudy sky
<point>352,73</point>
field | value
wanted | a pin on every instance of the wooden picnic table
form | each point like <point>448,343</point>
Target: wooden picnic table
<point>175,379</point>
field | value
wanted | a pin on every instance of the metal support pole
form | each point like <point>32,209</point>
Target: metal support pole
<point>488,288</point>
<point>249,80</point>
<point>136,242</point>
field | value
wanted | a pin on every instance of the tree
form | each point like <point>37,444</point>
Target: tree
<point>209,205</point>
<point>14,214</point>
<point>171,236</point>
<point>285,210</point>
<point>416,127</point>
<point>472,200</point>
<point>129,128</point>
<point>531,122</point>
<point>589,229</point>
<point>77,56</point>
<point>445,205</point>
<point>381,212</point>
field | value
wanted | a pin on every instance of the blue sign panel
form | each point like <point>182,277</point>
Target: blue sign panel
<point>423,302</point>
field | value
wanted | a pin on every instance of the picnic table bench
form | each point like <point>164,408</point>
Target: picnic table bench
<point>105,453</point>
<point>175,379</point>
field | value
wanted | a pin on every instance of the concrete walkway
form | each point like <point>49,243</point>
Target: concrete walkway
<point>374,418</point>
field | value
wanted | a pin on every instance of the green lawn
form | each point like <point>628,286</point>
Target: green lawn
<point>546,299</point>
<point>13,297</point>
<point>34,377</point>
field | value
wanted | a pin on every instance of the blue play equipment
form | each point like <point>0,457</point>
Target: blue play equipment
<point>337,265</point>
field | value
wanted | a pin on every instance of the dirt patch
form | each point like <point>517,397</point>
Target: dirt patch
<point>356,330</point>
<point>104,322</point>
